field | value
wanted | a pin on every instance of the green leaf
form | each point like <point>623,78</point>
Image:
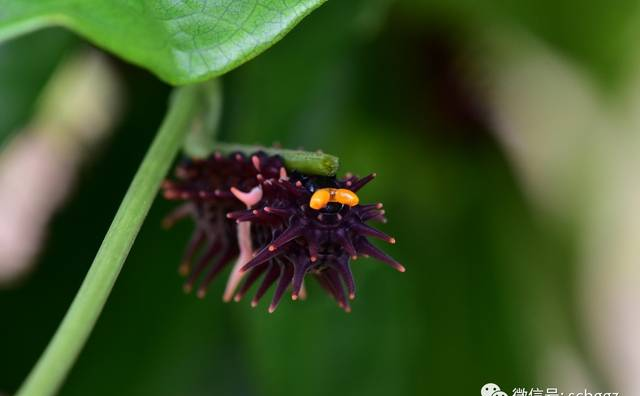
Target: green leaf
<point>181,41</point>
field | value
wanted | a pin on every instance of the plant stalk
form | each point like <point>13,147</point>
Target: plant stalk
<point>314,163</point>
<point>57,360</point>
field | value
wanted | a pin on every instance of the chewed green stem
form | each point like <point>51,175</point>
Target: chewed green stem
<point>315,163</point>
<point>54,365</point>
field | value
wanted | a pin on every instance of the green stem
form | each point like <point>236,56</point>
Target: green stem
<point>315,163</point>
<point>65,346</point>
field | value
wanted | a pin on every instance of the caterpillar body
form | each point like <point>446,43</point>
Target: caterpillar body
<point>279,227</point>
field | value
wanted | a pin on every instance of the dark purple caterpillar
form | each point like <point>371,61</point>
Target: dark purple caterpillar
<point>299,224</point>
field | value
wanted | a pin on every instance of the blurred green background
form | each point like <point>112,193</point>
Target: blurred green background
<point>411,90</point>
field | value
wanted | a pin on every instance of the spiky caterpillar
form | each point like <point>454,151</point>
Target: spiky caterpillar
<point>280,225</point>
